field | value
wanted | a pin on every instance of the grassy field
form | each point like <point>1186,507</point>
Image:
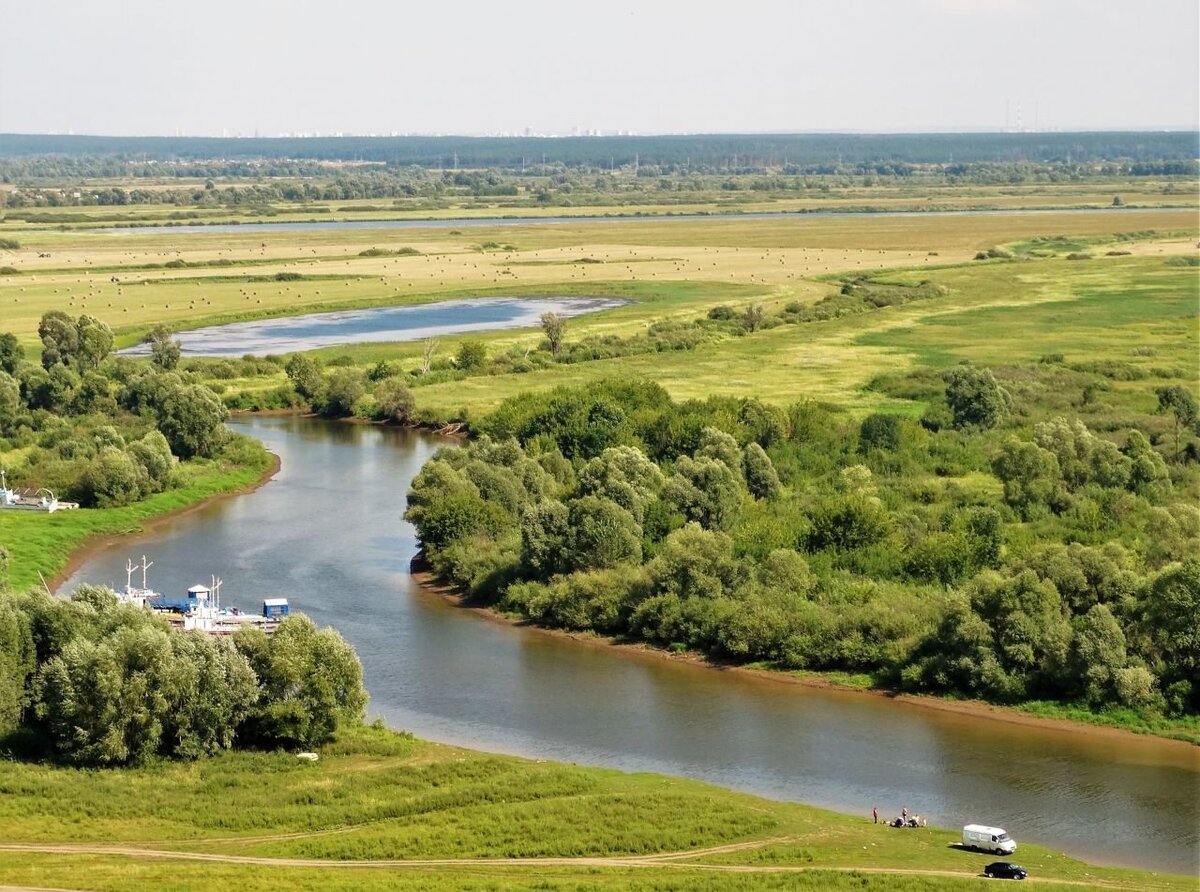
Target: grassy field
<point>381,809</point>
<point>231,275</point>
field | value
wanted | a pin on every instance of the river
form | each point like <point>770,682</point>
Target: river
<point>327,533</point>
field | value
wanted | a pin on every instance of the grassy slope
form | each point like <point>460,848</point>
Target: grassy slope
<point>376,794</point>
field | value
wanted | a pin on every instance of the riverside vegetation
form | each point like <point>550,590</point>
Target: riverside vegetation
<point>865,451</point>
<point>923,496</point>
<point>127,439</point>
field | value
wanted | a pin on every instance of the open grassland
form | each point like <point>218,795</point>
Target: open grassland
<point>382,810</point>
<point>1135,310</point>
<point>124,280</point>
<point>670,269</point>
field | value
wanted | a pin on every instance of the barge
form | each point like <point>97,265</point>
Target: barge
<point>199,608</point>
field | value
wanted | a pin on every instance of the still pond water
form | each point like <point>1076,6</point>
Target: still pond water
<point>293,334</point>
<point>327,534</point>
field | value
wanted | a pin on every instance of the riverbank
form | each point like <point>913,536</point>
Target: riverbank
<point>1096,727</point>
<point>382,809</point>
<point>49,548</point>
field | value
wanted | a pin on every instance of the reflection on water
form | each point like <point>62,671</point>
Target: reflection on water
<point>327,533</point>
<point>378,324</point>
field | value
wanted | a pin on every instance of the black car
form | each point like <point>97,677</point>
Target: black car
<point>1005,870</point>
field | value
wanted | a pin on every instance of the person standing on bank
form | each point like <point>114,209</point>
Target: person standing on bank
<point>875,815</point>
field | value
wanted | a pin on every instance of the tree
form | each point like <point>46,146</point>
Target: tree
<point>705,490</point>
<point>1097,654</point>
<point>1178,400</point>
<point>153,453</point>
<point>112,479</point>
<point>1082,456</point>
<point>305,374</point>
<point>880,431</point>
<point>95,343</point>
<point>695,563</point>
<point>720,446</point>
<point>1147,468</point>
<point>211,689</point>
<point>18,660</point>
<point>1030,475</point>
<point>11,404</point>
<point>471,356</point>
<point>165,351</point>
<point>310,683</point>
<point>848,521</point>
<point>105,702</point>
<point>192,419</point>
<point>11,352</point>
<point>393,399</point>
<point>975,399</point>
<point>1167,612</point>
<point>343,388</point>
<point>753,318</point>
<point>428,350</point>
<point>761,479</point>
<point>555,328</point>
<point>60,338</point>
<point>545,538</point>
<point>602,534</point>
<point>625,475</point>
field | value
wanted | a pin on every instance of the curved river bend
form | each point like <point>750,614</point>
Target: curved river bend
<point>327,533</point>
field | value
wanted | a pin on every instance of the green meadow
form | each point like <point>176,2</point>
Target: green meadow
<point>381,810</point>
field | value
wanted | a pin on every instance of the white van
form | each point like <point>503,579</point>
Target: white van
<point>988,839</point>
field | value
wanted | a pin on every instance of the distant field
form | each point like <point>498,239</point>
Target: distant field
<point>230,276</point>
<point>1009,313</point>
<point>377,799</point>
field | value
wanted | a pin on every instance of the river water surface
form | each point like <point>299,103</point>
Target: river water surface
<point>327,534</point>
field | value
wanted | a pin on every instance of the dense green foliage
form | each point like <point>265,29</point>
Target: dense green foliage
<point>99,683</point>
<point>101,431</point>
<point>984,557</point>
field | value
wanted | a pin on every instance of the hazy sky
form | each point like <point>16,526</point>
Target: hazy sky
<point>373,66</point>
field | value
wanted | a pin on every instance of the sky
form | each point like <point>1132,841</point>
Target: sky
<point>270,67</point>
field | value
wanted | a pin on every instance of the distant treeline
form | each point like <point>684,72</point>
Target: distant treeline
<point>722,151</point>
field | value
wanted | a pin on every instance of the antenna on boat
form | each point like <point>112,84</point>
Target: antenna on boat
<point>216,590</point>
<point>145,566</point>
<point>129,568</point>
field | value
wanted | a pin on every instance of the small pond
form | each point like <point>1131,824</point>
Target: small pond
<point>291,334</point>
